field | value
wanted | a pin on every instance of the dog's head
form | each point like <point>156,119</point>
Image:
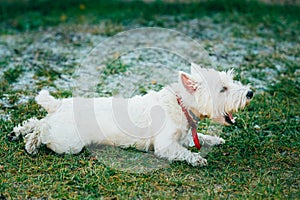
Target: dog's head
<point>213,94</point>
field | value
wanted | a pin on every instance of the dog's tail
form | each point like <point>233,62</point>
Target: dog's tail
<point>47,101</point>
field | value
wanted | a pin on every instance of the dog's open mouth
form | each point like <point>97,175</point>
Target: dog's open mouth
<point>229,118</point>
<point>226,119</point>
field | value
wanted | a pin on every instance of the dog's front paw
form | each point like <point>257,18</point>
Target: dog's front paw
<point>221,141</point>
<point>212,140</point>
<point>197,160</point>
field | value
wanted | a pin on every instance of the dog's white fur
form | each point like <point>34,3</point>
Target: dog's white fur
<point>153,120</point>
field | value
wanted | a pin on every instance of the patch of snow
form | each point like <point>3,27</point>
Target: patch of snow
<point>65,50</point>
<point>5,117</point>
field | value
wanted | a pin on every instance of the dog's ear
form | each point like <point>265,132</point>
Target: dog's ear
<point>195,69</point>
<point>230,73</point>
<point>187,81</point>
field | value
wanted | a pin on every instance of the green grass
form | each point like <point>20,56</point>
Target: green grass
<point>18,16</point>
<point>261,157</point>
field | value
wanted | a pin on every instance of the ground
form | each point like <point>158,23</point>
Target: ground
<point>43,44</point>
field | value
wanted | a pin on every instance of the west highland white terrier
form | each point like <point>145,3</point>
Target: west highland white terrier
<point>158,120</point>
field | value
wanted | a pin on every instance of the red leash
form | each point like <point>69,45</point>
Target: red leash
<point>191,123</point>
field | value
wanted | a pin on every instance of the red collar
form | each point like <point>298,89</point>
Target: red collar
<point>191,122</point>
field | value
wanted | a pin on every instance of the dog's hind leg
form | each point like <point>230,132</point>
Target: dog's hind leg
<point>33,141</point>
<point>24,129</point>
<point>30,130</point>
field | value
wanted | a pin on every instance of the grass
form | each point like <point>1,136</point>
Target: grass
<point>260,159</point>
<point>46,13</point>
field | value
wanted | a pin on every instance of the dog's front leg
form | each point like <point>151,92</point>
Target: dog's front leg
<point>173,151</point>
<point>205,140</point>
<point>210,140</point>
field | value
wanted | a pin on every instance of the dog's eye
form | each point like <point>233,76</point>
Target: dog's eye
<point>223,89</point>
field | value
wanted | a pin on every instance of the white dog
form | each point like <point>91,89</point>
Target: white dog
<point>158,120</point>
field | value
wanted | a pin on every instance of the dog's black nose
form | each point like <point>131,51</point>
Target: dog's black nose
<point>249,94</point>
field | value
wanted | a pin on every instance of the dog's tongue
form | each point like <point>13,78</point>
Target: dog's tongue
<point>231,117</point>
